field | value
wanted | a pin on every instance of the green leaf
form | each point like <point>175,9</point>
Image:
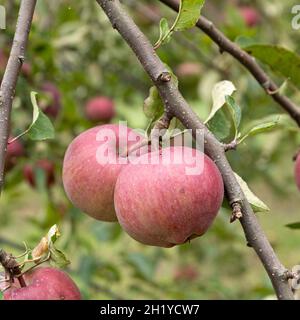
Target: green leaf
<point>295,225</point>
<point>281,60</point>
<point>219,92</point>
<point>153,106</point>
<point>220,125</point>
<point>188,15</point>
<point>164,31</point>
<point>256,204</point>
<point>41,127</point>
<point>58,258</point>
<point>283,122</point>
<point>260,128</point>
<point>235,112</point>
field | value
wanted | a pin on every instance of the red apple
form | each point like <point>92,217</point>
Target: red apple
<point>15,150</point>
<point>100,109</point>
<point>44,164</point>
<point>250,15</point>
<point>165,203</point>
<point>52,108</point>
<point>297,171</point>
<point>44,284</point>
<point>88,176</point>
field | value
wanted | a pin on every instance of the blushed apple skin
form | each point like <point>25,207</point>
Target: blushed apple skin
<point>100,109</point>
<point>297,171</point>
<point>90,184</point>
<point>44,284</point>
<point>160,205</point>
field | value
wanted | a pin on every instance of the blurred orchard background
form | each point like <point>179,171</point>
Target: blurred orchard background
<point>73,48</point>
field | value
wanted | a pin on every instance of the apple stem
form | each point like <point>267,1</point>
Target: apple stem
<point>11,267</point>
<point>21,280</point>
<point>135,147</point>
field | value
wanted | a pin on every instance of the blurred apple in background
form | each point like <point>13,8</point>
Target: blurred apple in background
<point>186,273</point>
<point>53,106</point>
<point>46,166</point>
<point>100,109</point>
<point>250,15</point>
<point>15,150</point>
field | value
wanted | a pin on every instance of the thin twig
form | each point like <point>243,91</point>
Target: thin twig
<point>230,146</point>
<point>177,106</point>
<point>246,60</point>
<point>10,77</point>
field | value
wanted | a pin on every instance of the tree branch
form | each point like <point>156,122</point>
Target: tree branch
<point>9,82</point>
<point>246,60</point>
<point>176,105</point>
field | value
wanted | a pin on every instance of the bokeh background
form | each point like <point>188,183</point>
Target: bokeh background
<point>73,46</point>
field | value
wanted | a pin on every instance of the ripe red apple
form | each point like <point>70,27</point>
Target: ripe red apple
<point>15,150</point>
<point>163,204</point>
<point>250,15</point>
<point>88,176</point>
<point>44,164</point>
<point>53,107</point>
<point>100,109</point>
<point>44,284</point>
<point>297,171</point>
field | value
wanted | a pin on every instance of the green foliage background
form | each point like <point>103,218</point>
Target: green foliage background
<point>73,45</point>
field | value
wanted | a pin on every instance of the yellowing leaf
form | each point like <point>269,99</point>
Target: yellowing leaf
<point>219,92</point>
<point>256,204</point>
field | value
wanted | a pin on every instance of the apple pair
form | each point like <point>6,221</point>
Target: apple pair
<point>156,202</point>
